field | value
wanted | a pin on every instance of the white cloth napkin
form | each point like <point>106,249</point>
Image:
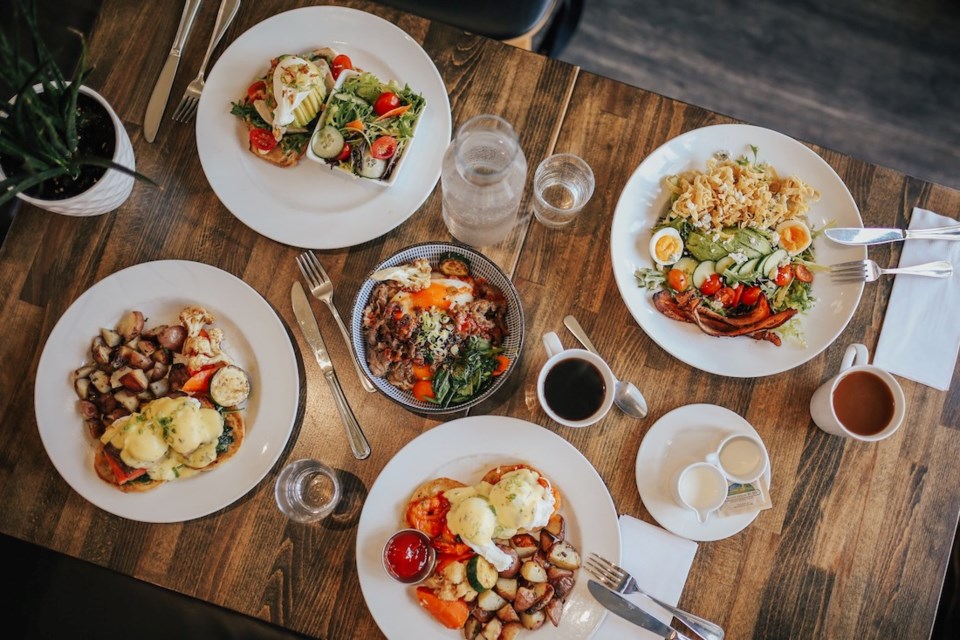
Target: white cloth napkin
<point>660,562</point>
<point>920,338</point>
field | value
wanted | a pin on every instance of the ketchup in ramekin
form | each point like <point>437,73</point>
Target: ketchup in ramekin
<point>408,556</point>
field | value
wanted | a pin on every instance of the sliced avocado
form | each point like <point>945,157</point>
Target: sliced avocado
<point>703,248</point>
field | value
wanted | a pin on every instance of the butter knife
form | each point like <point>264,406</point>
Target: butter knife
<point>632,613</point>
<point>311,331</point>
<point>857,236</point>
<point>161,91</point>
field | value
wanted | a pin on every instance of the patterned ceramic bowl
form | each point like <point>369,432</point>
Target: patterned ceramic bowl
<point>480,267</point>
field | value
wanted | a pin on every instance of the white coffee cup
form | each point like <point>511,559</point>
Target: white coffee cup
<point>571,405</point>
<point>826,400</point>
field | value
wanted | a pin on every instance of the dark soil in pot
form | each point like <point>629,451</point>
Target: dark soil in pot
<point>96,138</point>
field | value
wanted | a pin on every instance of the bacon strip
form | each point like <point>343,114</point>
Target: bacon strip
<point>758,323</point>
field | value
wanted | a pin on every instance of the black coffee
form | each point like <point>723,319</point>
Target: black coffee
<point>574,389</point>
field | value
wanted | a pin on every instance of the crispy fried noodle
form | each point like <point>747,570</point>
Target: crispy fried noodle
<point>738,193</point>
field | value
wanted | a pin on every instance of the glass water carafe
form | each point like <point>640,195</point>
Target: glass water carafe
<point>484,172</point>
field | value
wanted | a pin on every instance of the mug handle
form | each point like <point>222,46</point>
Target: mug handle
<point>855,354</point>
<point>551,342</point>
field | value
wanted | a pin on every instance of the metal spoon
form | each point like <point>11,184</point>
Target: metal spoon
<point>625,394</point>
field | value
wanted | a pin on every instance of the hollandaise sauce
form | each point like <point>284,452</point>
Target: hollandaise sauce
<point>483,513</point>
<point>170,437</point>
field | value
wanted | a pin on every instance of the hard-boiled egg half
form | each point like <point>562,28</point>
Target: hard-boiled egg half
<point>666,246</point>
<point>483,513</point>
<point>442,294</point>
<point>794,236</point>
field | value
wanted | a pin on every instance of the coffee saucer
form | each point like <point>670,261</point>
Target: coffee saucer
<point>683,436</point>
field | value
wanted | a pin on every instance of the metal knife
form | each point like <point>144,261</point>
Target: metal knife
<point>632,613</point>
<point>311,331</point>
<point>856,236</point>
<point>161,91</point>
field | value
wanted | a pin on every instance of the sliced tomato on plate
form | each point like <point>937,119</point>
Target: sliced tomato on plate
<point>262,140</point>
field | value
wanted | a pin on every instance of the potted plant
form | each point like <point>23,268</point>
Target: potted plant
<point>62,146</point>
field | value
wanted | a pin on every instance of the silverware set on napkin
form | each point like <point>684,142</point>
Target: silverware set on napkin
<point>615,582</point>
<point>191,97</point>
<point>869,270</point>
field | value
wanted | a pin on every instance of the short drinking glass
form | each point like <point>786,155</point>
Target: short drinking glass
<point>307,490</point>
<point>562,186</point>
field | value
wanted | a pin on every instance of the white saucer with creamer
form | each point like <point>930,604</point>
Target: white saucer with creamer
<point>683,436</point>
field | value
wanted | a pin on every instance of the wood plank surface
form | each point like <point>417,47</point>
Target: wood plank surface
<point>857,541</point>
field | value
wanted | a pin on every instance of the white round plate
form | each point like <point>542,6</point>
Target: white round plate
<point>645,198</point>
<point>309,205</point>
<point>253,336</point>
<point>683,436</point>
<point>465,449</point>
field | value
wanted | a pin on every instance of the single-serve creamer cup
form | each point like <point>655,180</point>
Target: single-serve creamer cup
<point>845,404</point>
<point>575,387</point>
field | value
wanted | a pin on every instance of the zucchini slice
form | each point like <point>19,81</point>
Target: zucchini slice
<point>229,386</point>
<point>481,574</point>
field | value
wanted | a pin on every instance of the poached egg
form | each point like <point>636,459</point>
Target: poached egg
<point>294,78</point>
<point>486,512</point>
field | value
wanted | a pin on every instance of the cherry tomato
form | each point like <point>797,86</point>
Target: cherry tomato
<point>503,363</point>
<point>803,273</point>
<point>388,101</point>
<point>738,292</point>
<point>340,63</point>
<point>423,389</point>
<point>726,296</point>
<point>257,91</point>
<point>383,147</point>
<point>678,280</point>
<point>784,276</point>
<point>262,140</point>
<point>750,296</point>
<point>711,285</point>
<point>344,153</point>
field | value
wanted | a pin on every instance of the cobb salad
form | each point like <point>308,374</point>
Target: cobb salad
<point>733,253</point>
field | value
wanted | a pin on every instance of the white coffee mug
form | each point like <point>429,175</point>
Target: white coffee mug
<point>823,408</point>
<point>577,409</point>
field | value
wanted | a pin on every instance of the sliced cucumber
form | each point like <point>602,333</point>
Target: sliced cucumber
<point>724,263</point>
<point>703,271</point>
<point>772,262</point>
<point>327,142</point>
<point>481,574</point>
<point>748,269</point>
<point>371,167</point>
<point>687,265</point>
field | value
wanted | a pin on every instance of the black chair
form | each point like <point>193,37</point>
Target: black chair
<point>544,26</point>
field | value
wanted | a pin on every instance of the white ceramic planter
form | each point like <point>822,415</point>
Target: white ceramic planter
<point>111,190</point>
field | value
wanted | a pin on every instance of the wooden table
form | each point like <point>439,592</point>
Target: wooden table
<point>859,537</point>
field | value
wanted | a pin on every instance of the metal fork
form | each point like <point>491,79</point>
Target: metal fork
<point>617,579</point>
<point>191,97</point>
<point>868,271</point>
<point>322,289</point>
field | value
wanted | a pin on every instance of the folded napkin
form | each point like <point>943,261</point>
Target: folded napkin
<point>920,338</point>
<point>660,562</point>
